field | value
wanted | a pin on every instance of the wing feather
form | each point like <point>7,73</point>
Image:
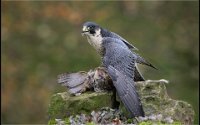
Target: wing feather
<point>130,46</point>
<point>120,63</point>
<point>127,92</point>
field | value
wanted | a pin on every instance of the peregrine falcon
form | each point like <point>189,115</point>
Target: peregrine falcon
<point>120,63</point>
<point>95,34</point>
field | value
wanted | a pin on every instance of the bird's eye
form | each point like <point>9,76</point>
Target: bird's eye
<point>88,27</point>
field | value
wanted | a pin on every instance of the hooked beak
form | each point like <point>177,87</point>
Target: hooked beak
<point>84,30</point>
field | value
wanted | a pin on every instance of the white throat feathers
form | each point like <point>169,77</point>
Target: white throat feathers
<point>96,40</point>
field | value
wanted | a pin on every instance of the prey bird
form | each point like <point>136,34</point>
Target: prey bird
<point>120,63</point>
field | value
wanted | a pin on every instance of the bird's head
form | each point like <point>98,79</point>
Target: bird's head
<point>93,32</point>
<point>91,29</point>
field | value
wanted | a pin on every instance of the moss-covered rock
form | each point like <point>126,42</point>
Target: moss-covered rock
<point>157,105</point>
<point>155,100</point>
<point>63,104</point>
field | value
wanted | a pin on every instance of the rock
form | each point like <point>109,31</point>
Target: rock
<point>63,104</point>
<point>155,100</point>
<point>157,105</point>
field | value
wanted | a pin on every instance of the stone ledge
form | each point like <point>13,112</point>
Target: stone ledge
<point>154,98</point>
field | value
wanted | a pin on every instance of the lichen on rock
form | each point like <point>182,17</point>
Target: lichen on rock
<point>155,100</point>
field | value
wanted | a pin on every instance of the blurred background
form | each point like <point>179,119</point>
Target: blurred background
<point>42,39</point>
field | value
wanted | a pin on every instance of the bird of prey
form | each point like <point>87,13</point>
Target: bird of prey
<point>120,63</point>
<point>95,40</point>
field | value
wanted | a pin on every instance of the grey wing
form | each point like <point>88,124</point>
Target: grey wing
<point>126,92</point>
<point>130,46</point>
<point>120,63</point>
<point>139,59</point>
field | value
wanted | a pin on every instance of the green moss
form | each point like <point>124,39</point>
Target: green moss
<point>146,123</point>
<point>63,105</point>
<point>157,123</point>
<point>129,121</point>
<point>177,123</point>
<point>52,122</point>
<point>57,107</point>
<point>87,102</point>
<point>90,123</point>
<point>67,122</point>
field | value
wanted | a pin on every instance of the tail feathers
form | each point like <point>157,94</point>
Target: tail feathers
<point>72,80</point>
<point>144,62</point>
<point>137,75</point>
